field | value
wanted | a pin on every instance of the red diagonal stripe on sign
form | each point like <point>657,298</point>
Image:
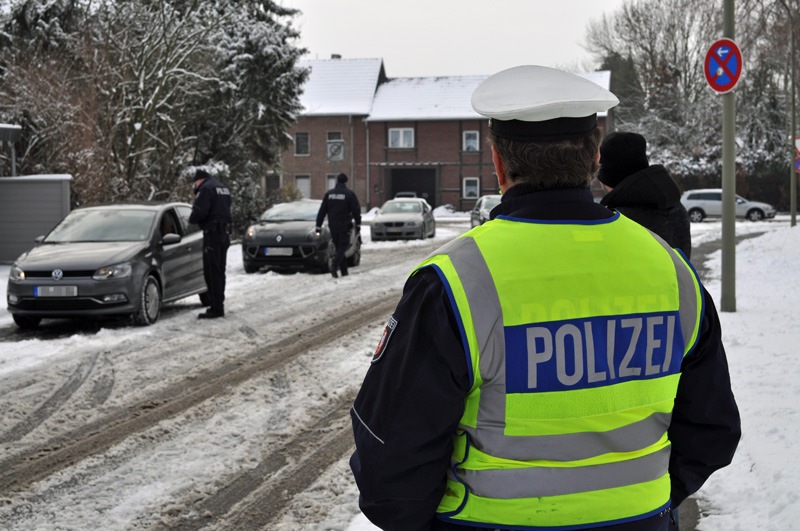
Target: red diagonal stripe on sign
<point>723,64</point>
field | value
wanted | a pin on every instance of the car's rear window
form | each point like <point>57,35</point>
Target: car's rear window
<point>103,226</point>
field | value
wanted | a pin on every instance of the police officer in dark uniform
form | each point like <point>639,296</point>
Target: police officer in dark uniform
<point>211,211</point>
<point>430,454</point>
<point>342,208</point>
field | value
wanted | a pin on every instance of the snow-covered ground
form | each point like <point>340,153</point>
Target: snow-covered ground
<point>759,490</point>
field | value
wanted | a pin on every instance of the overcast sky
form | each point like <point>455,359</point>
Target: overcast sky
<point>451,37</point>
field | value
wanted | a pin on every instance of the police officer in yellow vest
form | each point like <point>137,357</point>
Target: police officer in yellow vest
<point>559,367</point>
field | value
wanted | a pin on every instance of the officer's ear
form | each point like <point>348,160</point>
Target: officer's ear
<point>500,171</point>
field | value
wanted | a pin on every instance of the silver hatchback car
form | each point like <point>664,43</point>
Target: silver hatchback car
<point>707,202</point>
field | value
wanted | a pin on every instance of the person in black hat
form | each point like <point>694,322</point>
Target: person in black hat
<point>558,367</point>
<point>342,208</point>
<point>643,192</point>
<point>211,211</point>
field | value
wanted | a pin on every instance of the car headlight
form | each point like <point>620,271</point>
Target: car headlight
<point>115,271</point>
<point>15,273</point>
<point>251,232</point>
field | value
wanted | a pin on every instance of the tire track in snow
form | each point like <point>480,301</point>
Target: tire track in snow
<point>32,465</point>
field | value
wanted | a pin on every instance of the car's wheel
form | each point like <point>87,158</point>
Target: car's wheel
<point>149,302</point>
<point>26,322</point>
<point>205,298</point>
<point>696,215</point>
<point>327,263</point>
<point>433,231</point>
<point>755,215</point>
<point>251,268</point>
<point>355,259</point>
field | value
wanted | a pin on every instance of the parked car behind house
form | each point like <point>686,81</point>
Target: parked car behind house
<point>404,219</point>
<point>122,259</point>
<point>284,237</point>
<point>483,207</point>
<point>707,202</point>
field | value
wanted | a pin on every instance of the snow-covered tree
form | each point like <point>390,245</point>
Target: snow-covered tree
<point>656,50</point>
<point>125,94</point>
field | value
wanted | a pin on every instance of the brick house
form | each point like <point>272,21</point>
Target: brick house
<point>414,134</point>
<point>329,136</point>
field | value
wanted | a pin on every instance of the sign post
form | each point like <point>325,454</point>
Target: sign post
<point>723,68</point>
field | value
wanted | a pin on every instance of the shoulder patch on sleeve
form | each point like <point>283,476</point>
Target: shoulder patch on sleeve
<point>391,324</point>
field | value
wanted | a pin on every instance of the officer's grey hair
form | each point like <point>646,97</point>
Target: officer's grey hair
<point>548,165</point>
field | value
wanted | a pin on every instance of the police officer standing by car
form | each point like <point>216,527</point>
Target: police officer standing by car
<point>558,367</point>
<point>211,211</point>
<point>342,208</point>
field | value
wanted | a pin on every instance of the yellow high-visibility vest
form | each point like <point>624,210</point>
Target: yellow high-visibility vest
<point>575,333</point>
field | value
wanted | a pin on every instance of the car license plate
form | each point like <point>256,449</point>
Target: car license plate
<point>55,291</point>
<point>277,251</point>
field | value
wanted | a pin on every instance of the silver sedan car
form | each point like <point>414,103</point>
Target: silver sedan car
<point>404,219</point>
<point>483,207</point>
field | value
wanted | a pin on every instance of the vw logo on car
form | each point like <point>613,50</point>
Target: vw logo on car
<point>57,274</point>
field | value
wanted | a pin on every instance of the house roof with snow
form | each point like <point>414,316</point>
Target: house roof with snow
<point>359,87</point>
<point>439,98</point>
<point>340,86</point>
<point>426,98</point>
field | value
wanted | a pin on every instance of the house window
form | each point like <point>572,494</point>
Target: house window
<point>302,144</point>
<point>469,141</point>
<point>335,147</point>
<point>303,183</point>
<point>401,137</point>
<point>331,180</point>
<point>471,187</point>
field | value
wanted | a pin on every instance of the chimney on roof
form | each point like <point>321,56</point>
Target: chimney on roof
<point>336,56</point>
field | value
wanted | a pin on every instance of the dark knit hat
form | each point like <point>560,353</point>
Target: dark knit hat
<point>201,174</point>
<point>341,178</point>
<point>621,154</point>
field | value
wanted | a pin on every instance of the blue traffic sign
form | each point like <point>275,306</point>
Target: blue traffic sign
<point>723,65</point>
<point>797,164</point>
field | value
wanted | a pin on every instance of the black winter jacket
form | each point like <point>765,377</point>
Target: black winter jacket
<point>340,205</point>
<point>652,199</point>
<point>212,206</point>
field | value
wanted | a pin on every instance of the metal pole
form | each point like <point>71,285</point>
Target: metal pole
<point>728,302</point>
<point>793,135</point>
<point>793,131</point>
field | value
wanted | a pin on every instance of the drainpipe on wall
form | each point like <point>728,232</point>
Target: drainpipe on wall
<point>369,190</point>
<point>352,151</point>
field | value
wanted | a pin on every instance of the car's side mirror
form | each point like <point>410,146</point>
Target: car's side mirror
<point>38,239</point>
<point>171,239</point>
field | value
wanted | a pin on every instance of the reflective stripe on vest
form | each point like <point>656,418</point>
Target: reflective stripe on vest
<point>506,452</point>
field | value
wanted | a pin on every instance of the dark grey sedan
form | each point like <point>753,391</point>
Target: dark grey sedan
<point>284,237</point>
<point>123,259</point>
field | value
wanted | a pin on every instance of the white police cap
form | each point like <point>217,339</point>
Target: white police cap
<point>536,103</point>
